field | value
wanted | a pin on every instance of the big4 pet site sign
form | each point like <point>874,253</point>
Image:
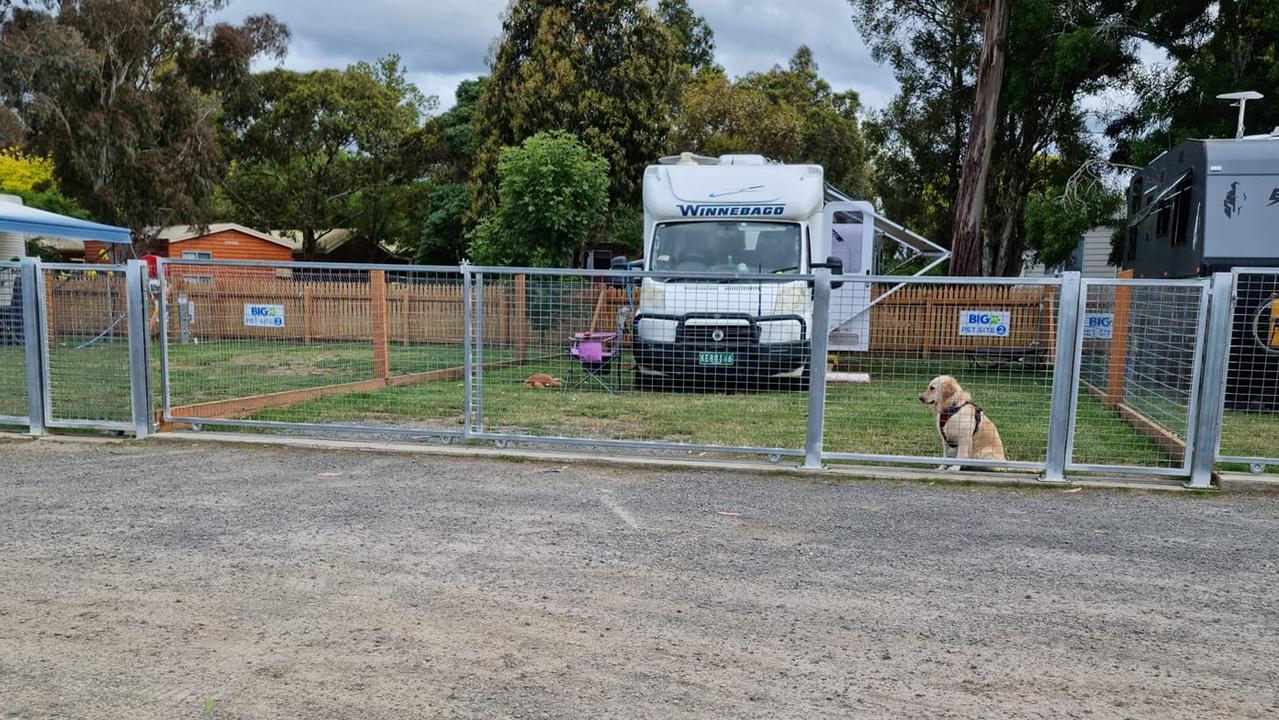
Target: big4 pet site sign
<point>985,323</point>
<point>270,316</point>
<point>1099,326</point>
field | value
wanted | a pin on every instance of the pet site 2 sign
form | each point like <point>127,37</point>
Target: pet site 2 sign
<point>985,323</point>
<point>270,316</point>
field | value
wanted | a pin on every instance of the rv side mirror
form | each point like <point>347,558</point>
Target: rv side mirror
<point>619,262</point>
<point>836,267</point>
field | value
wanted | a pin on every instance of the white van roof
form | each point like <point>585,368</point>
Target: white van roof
<point>781,192</point>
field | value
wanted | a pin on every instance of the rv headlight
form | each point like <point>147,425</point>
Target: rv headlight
<point>652,296</point>
<point>792,299</point>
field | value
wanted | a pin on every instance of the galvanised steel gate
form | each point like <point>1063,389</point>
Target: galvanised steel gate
<point>1138,361</point>
<point>93,347</point>
<point>19,352</point>
<point>1249,409</point>
<point>316,347</point>
<point>73,347</point>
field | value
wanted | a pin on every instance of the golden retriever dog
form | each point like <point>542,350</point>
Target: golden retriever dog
<point>966,432</point>
<point>541,381</point>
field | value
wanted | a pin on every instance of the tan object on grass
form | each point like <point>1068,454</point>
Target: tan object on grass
<point>541,380</point>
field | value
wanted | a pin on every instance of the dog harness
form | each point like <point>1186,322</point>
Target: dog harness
<point>947,414</point>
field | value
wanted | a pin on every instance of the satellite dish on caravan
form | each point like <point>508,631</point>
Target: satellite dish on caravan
<point>1241,101</point>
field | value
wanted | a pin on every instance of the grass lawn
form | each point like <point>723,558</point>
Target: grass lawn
<point>880,417</point>
<point>240,368</point>
<point>13,382</point>
<point>88,384</point>
<point>92,383</point>
<point>1250,434</point>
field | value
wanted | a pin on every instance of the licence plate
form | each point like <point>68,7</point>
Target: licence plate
<point>715,359</point>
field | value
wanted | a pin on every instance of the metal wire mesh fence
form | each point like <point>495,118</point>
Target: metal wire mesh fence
<point>680,363</point>
<point>662,362</point>
<point>13,367</point>
<point>953,372</point>
<point>86,346</point>
<point>364,348</point>
<point>1097,332</point>
<point>1139,359</point>
<point>1250,424</point>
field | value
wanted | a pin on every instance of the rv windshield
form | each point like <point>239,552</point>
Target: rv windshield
<point>727,246</point>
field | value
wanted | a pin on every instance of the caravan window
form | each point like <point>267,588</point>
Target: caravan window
<point>1181,217</point>
<point>727,246</point>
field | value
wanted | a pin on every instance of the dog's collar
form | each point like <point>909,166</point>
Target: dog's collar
<point>945,415</point>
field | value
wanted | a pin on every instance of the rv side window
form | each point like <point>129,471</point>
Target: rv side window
<point>1131,252</point>
<point>1181,220</point>
<point>808,245</point>
<point>1161,219</point>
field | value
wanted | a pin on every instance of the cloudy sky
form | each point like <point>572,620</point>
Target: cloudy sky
<point>445,41</point>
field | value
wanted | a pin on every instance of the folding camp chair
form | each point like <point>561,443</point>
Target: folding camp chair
<point>594,353</point>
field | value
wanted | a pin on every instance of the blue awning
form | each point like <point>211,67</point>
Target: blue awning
<point>30,221</point>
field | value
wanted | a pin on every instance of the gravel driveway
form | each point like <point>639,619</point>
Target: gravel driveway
<point>199,581</point>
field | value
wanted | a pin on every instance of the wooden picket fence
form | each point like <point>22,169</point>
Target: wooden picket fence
<point>85,304</point>
<point>332,311</point>
<point>918,319</point>
<point>922,320</point>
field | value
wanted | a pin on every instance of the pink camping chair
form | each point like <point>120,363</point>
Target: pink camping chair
<point>594,353</point>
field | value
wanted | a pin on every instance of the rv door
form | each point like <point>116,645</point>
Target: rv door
<point>852,239</point>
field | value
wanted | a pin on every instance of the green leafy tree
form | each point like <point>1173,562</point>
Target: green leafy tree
<point>1215,47</point>
<point>124,96</point>
<point>1056,54</point>
<point>789,114</point>
<point>694,38</point>
<point>443,234</point>
<point>323,150</point>
<point>448,142</point>
<point>603,70</point>
<point>719,116</point>
<point>31,178</point>
<point>553,196</point>
<point>1064,206</point>
<point>626,230</point>
<point>918,140</point>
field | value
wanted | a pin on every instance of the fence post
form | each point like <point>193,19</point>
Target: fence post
<point>139,368</point>
<point>307,311</point>
<point>162,272</point>
<point>467,382</point>
<point>377,317</point>
<point>1212,385</point>
<point>819,334</point>
<point>32,303</point>
<point>48,312</point>
<point>1117,359</point>
<point>404,316</point>
<point>1061,423</point>
<point>521,315</point>
<point>478,359</point>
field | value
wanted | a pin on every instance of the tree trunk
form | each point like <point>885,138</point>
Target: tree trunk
<point>966,242</point>
<point>308,244</point>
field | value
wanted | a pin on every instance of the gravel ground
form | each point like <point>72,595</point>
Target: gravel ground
<point>176,581</point>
